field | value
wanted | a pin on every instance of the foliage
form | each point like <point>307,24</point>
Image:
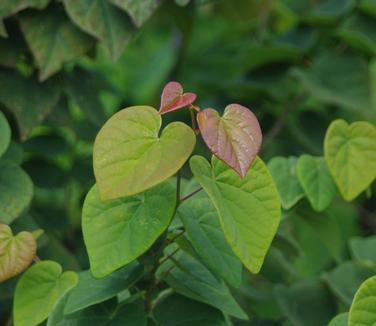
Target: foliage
<point>202,212</point>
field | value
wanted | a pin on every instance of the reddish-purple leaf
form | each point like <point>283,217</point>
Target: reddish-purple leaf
<point>234,138</point>
<point>173,98</point>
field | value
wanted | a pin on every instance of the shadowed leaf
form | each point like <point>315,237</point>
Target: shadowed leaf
<point>5,134</point>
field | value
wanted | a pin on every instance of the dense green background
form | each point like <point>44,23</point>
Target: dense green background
<point>298,64</point>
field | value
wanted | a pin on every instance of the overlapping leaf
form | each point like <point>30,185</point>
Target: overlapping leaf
<point>340,320</point>
<point>38,290</point>
<point>53,40</point>
<point>316,181</point>
<point>249,208</point>
<point>16,252</point>
<point>235,138</point>
<point>283,170</point>
<point>118,231</point>
<point>350,152</point>
<point>130,157</point>
<point>5,134</point>
<point>102,20</point>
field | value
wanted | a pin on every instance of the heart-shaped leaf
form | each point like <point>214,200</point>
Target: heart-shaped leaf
<point>316,181</point>
<point>16,252</point>
<point>38,290</point>
<point>249,209</point>
<point>173,98</point>
<point>130,157</point>
<point>283,170</point>
<point>118,231</point>
<point>350,152</point>
<point>235,138</point>
<point>363,307</point>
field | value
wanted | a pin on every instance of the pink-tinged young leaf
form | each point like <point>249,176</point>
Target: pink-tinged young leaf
<point>173,98</point>
<point>234,138</point>
<point>16,252</point>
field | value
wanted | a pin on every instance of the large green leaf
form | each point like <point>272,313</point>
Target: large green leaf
<point>5,134</point>
<point>178,310</point>
<point>191,278</point>
<point>107,313</point>
<point>16,252</point>
<point>201,223</point>
<point>305,303</point>
<point>36,101</point>
<point>340,320</point>
<point>350,152</point>
<point>38,290</point>
<point>118,231</point>
<point>249,209</point>
<point>283,171</point>
<point>90,291</point>
<point>341,80</point>
<point>102,20</point>
<point>53,40</point>
<point>316,181</point>
<point>139,11</point>
<point>345,279</point>
<point>129,155</point>
<point>363,307</point>
<point>16,191</point>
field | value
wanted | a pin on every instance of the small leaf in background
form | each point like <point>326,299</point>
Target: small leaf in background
<point>90,291</point>
<point>38,290</point>
<point>249,209</point>
<point>118,231</point>
<point>140,11</point>
<point>34,105</point>
<point>350,152</point>
<point>345,279</point>
<point>16,252</point>
<point>283,171</point>
<point>178,310</point>
<point>53,40</point>
<point>306,303</point>
<point>173,98</point>
<point>235,138</point>
<point>102,20</point>
<point>340,320</point>
<point>191,278</point>
<point>105,313</point>
<point>363,250</point>
<point>201,223</point>
<point>16,191</point>
<point>128,143</point>
<point>14,153</point>
<point>5,134</point>
<point>316,181</point>
<point>361,311</point>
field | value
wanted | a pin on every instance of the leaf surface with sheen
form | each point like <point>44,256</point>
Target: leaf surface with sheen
<point>249,209</point>
<point>118,231</point>
<point>235,138</point>
<point>350,152</point>
<point>130,156</point>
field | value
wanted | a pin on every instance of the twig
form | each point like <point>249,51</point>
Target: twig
<point>191,194</point>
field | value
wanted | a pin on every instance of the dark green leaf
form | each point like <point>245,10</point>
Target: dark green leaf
<point>5,134</point>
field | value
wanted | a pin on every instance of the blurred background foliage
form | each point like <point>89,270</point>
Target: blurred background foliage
<point>66,66</point>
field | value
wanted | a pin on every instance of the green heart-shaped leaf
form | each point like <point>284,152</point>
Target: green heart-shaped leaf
<point>350,152</point>
<point>118,231</point>
<point>130,157</point>
<point>38,290</point>
<point>235,138</point>
<point>363,307</point>
<point>249,209</point>
<point>316,181</point>
<point>283,170</point>
<point>16,252</point>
